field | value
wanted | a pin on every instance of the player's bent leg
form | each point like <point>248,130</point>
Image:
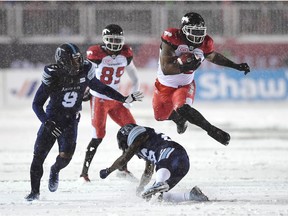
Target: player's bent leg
<point>219,135</point>
<point>62,161</point>
<point>180,122</point>
<point>195,117</point>
<point>43,145</point>
<point>90,152</point>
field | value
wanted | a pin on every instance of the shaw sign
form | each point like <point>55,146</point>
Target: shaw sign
<point>227,84</point>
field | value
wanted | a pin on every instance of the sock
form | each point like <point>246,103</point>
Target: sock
<point>176,197</point>
<point>162,175</point>
<point>91,151</point>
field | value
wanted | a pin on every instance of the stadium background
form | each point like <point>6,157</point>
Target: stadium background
<point>248,177</point>
<point>253,32</point>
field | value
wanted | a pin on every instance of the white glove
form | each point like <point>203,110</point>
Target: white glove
<point>136,96</point>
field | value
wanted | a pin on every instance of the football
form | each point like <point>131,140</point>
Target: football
<point>185,58</point>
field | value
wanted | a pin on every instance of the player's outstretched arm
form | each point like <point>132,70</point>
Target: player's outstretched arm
<point>124,158</point>
<point>101,88</point>
<point>120,162</point>
<point>221,60</point>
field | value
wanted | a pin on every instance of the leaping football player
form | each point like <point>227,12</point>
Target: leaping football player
<point>182,51</point>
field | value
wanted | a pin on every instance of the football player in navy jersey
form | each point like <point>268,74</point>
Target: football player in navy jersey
<point>112,58</point>
<point>64,83</point>
<point>181,52</point>
<point>169,159</point>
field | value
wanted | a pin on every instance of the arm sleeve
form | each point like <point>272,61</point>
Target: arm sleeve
<point>101,88</point>
<point>131,71</point>
<point>40,98</point>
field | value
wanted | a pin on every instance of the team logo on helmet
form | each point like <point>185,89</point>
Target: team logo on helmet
<point>185,19</point>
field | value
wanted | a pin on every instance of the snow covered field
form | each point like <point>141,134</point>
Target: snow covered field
<point>247,177</point>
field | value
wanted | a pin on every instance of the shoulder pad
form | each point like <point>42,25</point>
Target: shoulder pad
<point>49,72</point>
<point>170,35</point>
<point>127,51</point>
<point>89,69</point>
<point>208,45</point>
<point>95,53</point>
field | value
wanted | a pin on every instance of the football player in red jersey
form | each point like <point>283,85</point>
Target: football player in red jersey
<point>111,58</point>
<point>175,86</point>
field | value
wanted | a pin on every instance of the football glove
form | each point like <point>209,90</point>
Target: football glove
<point>243,67</point>
<point>136,96</point>
<point>87,95</point>
<point>104,173</point>
<point>52,128</point>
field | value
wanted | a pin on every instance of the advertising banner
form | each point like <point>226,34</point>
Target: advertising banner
<point>228,84</point>
<point>215,84</point>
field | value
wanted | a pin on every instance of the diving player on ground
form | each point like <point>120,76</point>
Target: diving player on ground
<point>169,159</point>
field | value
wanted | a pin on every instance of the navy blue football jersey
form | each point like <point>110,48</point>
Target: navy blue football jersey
<point>157,147</point>
<point>66,91</point>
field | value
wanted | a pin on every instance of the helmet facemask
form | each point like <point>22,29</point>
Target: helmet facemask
<point>76,63</point>
<point>113,43</point>
<point>194,34</point>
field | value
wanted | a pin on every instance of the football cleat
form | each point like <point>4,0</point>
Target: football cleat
<point>85,178</point>
<point>53,180</point>
<point>32,196</point>
<point>219,135</point>
<point>197,195</point>
<point>181,127</point>
<point>156,188</point>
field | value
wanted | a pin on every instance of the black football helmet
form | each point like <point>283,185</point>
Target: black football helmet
<point>69,57</point>
<point>113,37</point>
<point>193,26</point>
<point>122,136</point>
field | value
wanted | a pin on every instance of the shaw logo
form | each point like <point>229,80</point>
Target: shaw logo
<point>228,85</point>
<point>26,90</point>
